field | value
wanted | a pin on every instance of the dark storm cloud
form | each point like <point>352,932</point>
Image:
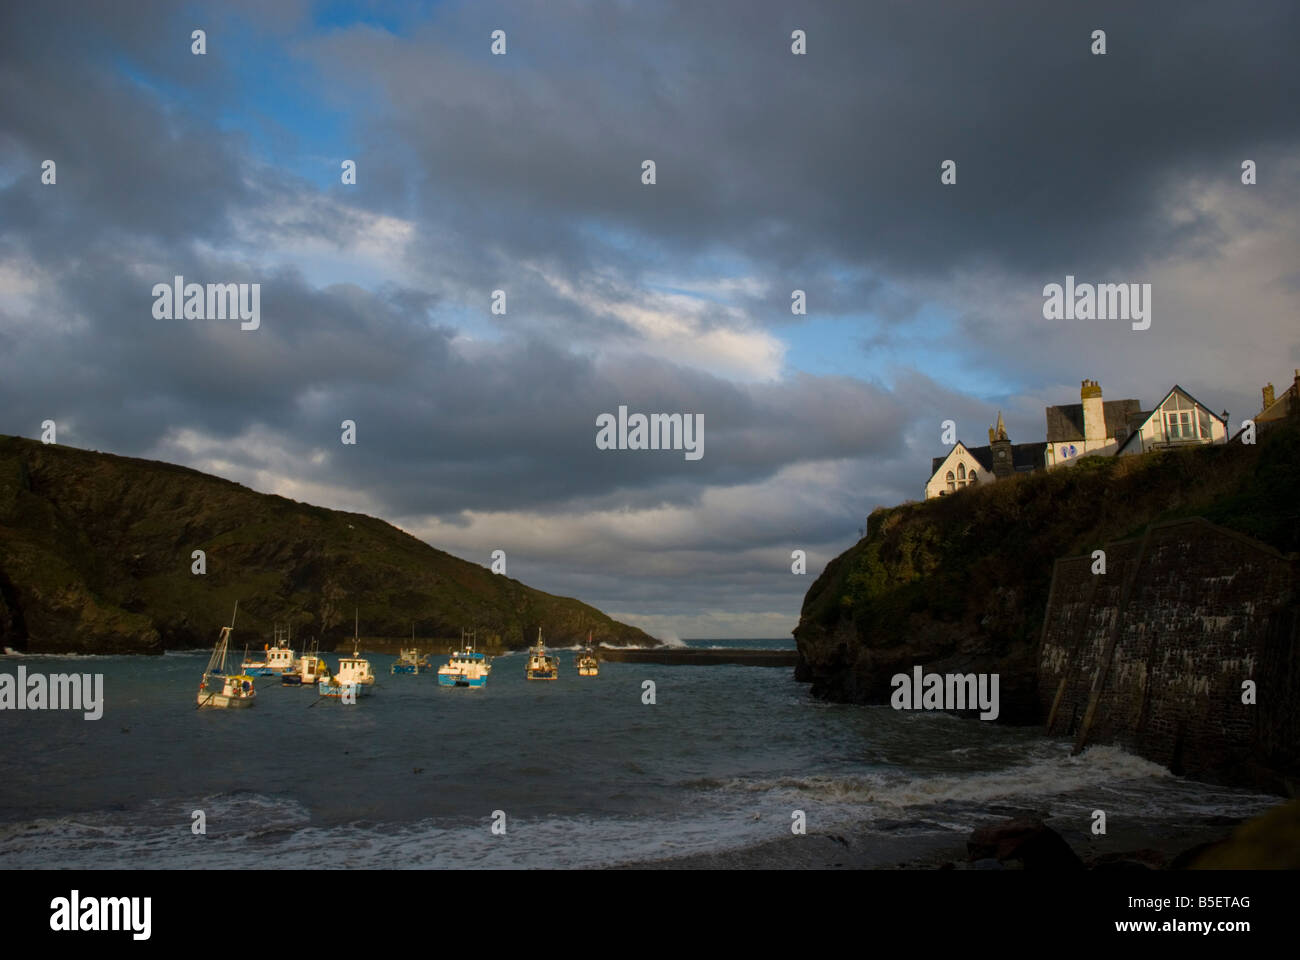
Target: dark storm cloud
<point>835,156</point>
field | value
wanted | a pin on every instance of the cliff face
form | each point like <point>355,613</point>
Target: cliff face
<point>1157,653</point>
<point>960,584</point>
<point>95,557</point>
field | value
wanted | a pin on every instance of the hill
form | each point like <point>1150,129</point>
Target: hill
<point>95,557</point>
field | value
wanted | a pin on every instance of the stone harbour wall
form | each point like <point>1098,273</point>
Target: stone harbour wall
<point>1152,654</point>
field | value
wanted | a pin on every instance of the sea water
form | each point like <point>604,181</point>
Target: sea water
<point>581,771</point>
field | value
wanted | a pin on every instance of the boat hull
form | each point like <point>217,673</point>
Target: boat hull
<point>542,674</point>
<point>221,701</point>
<point>460,680</point>
<point>342,691</point>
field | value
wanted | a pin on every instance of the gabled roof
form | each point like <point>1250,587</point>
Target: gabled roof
<point>1137,423</point>
<point>1065,422</point>
<point>1179,389</point>
<point>937,462</point>
<point>1024,457</point>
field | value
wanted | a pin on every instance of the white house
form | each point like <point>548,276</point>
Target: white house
<point>965,466</point>
<point>1178,420</point>
<point>1092,427</point>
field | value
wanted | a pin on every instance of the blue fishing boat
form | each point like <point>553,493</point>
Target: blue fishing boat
<point>467,667</point>
<point>410,661</point>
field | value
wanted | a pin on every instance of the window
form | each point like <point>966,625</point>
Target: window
<point>951,486</point>
<point>972,477</point>
<point>1180,425</point>
<point>961,471</point>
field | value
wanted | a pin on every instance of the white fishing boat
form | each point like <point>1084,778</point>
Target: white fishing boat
<point>308,669</point>
<point>588,666</point>
<point>275,660</point>
<point>541,665</point>
<point>280,658</point>
<point>354,677</point>
<point>235,690</point>
<point>467,667</point>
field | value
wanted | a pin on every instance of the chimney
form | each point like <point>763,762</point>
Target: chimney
<point>1094,415</point>
<point>1268,395</point>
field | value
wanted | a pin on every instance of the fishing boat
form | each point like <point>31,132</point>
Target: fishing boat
<point>275,660</point>
<point>410,660</point>
<point>541,665</point>
<point>309,668</point>
<point>587,664</point>
<point>467,667</point>
<point>280,657</point>
<point>236,690</point>
<point>354,678</point>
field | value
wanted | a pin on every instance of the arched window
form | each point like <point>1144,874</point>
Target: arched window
<point>951,486</point>
<point>961,471</point>
<point>972,477</point>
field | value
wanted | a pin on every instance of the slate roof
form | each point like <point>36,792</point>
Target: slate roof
<point>1024,457</point>
<point>1065,422</point>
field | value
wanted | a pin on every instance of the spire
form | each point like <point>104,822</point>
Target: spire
<point>1002,427</point>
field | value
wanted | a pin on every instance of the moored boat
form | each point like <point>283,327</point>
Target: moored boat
<point>280,658</point>
<point>541,665</point>
<point>309,668</point>
<point>236,689</point>
<point>410,660</point>
<point>466,667</point>
<point>587,663</point>
<point>353,679</point>
<point>275,659</point>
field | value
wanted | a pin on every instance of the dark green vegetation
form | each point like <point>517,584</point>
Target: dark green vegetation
<point>960,583</point>
<point>95,558</point>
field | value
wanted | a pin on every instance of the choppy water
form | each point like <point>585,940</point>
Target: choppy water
<point>585,772</point>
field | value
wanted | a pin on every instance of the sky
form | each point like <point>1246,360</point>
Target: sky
<point>523,172</point>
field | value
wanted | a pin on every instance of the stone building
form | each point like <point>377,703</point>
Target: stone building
<point>1091,427</point>
<point>965,466</point>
